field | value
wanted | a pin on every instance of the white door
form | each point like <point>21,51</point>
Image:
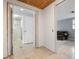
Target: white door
<point>29,30</point>
<point>9,28</point>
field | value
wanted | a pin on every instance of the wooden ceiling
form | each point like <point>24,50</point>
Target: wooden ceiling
<point>38,3</point>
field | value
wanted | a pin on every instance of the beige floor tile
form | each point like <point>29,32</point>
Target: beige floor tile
<point>64,51</point>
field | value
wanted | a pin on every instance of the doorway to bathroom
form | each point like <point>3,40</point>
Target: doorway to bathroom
<point>23,30</point>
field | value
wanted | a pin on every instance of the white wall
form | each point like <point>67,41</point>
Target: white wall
<point>64,9</point>
<point>39,29</point>
<point>47,24</point>
<point>5,28</point>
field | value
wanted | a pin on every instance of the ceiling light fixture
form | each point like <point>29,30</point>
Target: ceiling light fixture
<point>22,9</point>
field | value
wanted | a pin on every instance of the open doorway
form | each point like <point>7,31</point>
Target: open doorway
<point>65,17</point>
<point>22,27</point>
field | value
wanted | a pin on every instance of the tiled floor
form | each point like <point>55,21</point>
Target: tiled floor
<point>65,50</point>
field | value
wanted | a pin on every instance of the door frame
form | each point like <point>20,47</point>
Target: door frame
<point>8,4</point>
<point>9,33</point>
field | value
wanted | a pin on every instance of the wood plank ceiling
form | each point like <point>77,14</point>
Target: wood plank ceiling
<point>38,3</point>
